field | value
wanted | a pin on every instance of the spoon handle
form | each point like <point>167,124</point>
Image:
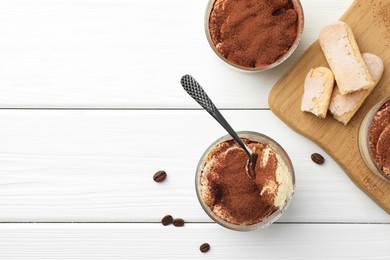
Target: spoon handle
<point>192,87</point>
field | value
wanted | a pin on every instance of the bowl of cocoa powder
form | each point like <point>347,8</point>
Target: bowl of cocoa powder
<point>374,139</point>
<point>230,196</point>
<point>254,35</point>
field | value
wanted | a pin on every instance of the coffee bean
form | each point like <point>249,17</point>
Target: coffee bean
<point>166,220</point>
<point>159,176</point>
<point>178,222</point>
<point>317,158</point>
<point>205,247</point>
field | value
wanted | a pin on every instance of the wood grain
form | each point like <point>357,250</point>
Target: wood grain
<point>154,241</point>
<point>370,23</point>
<point>126,53</point>
<point>98,166</point>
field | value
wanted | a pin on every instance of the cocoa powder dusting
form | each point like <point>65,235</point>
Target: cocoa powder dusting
<point>382,148</point>
<point>379,138</point>
<point>266,174</point>
<point>234,194</point>
<point>253,33</point>
<point>378,124</point>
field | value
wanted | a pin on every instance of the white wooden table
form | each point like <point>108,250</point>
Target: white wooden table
<point>91,108</point>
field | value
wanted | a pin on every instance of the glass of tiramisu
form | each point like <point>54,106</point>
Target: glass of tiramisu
<point>374,139</point>
<point>254,35</point>
<point>230,196</point>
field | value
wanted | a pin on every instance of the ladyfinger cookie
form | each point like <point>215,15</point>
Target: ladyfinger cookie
<point>343,55</point>
<point>344,107</point>
<point>318,88</point>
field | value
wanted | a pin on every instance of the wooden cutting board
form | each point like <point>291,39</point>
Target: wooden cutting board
<point>370,22</point>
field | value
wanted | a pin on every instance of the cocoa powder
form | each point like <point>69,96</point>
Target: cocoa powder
<point>253,33</point>
<point>379,138</point>
<point>233,192</point>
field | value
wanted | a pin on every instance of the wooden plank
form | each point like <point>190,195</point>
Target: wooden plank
<point>120,53</point>
<point>154,241</point>
<point>66,165</point>
<point>368,22</point>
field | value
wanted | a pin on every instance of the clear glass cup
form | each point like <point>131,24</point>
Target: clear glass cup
<point>364,140</point>
<point>298,9</point>
<point>256,137</point>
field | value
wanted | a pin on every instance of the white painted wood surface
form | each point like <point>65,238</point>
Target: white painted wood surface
<point>126,53</point>
<point>154,241</point>
<point>98,166</point>
<point>82,179</point>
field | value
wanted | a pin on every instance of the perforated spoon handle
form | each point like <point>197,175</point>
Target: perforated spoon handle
<point>193,88</point>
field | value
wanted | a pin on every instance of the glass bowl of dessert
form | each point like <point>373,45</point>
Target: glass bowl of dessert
<point>230,196</point>
<point>254,35</point>
<point>374,139</point>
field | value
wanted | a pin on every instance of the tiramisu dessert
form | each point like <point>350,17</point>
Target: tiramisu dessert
<point>374,139</point>
<point>231,195</point>
<point>253,33</point>
<point>379,137</point>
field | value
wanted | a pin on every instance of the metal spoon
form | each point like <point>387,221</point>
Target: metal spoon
<point>192,87</point>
